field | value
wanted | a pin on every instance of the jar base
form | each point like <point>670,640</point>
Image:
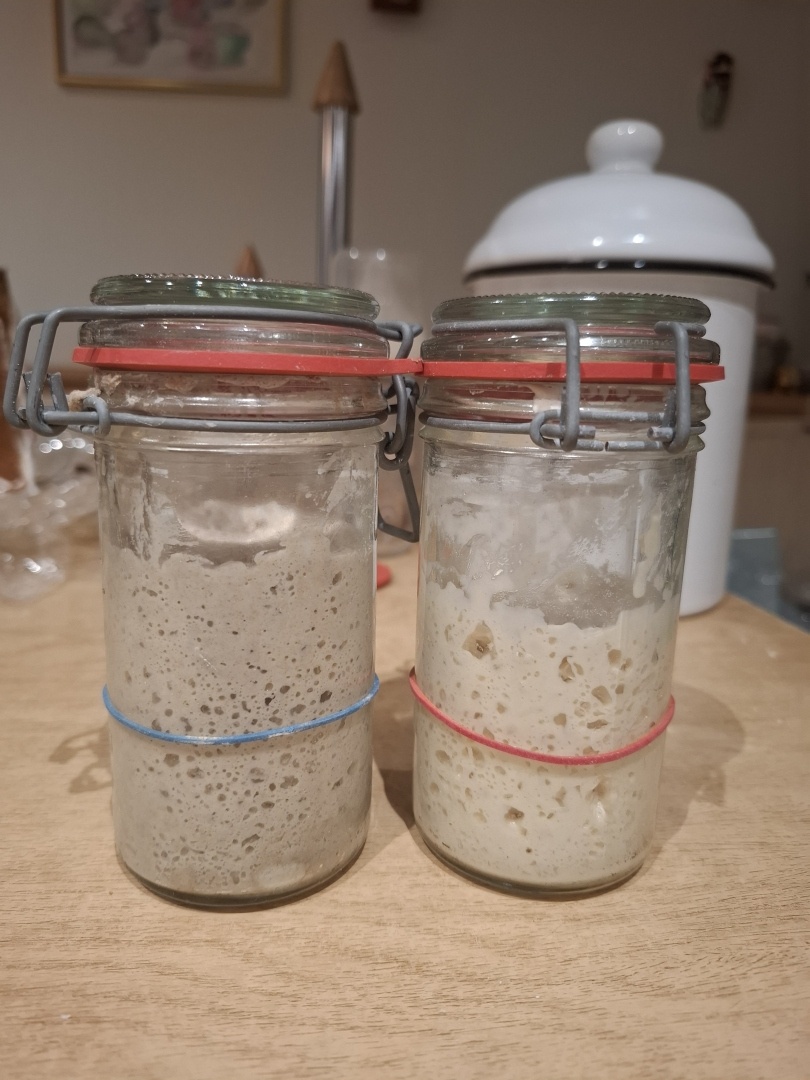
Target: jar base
<point>254,902</point>
<point>531,892</point>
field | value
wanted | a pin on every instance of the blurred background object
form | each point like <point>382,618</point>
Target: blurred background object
<point>402,7</point>
<point>248,264</point>
<point>46,485</point>
<point>37,518</point>
<point>624,227</point>
<point>10,449</point>
<point>336,101</point>
<point>395,280</point>
<point>771,352</point>
<point>755,573</point>
<point>775,490</point>
<point>716,90</point>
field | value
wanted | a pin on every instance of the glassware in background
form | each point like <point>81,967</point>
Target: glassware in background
<point>57,488</point>
<point>45,486</point>
<point>394,278</point>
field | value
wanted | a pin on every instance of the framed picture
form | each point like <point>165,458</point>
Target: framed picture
<point>202,46</point>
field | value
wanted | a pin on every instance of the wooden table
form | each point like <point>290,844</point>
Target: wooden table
<point>697,967</point>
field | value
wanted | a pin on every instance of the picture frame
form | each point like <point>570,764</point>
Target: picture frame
<point>401,7</point>
<point>188,46</point>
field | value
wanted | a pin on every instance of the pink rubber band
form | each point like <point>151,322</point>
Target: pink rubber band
<point>534,755</point>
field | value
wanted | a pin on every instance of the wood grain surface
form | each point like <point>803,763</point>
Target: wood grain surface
<point>697,967</point>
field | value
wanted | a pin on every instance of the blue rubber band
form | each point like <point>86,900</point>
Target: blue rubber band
<point>236,740</point>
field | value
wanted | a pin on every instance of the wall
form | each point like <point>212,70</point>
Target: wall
<point>463,107</point>
<point>774,492</point>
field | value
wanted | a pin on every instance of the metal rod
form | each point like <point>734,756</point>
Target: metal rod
<point>336,100</point>
<point>333,202</point>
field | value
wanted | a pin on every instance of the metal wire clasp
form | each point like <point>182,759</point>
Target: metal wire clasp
<point>96,418</point>
<point>562,426</point>
<point>395,451</point>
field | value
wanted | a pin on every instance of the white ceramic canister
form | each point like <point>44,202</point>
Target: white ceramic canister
<point>625,228</point>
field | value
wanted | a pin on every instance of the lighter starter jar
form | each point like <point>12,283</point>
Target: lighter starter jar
<point>549,584</point>
<point>238,571</point>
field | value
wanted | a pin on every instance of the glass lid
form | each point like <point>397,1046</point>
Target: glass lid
<point>239,291</point>
<point>588,309</point>
<point>613,326</point>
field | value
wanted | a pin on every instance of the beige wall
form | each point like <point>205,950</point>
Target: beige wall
<point>464,107</point>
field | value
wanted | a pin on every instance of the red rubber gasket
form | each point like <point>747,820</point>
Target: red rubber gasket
<point>610,371</point>
<point>240,363</point>
<point>534,755</point>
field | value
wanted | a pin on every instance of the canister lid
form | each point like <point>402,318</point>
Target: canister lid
<point>622,215</point>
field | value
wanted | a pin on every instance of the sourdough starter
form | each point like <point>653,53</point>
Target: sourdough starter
<point>266,620</point>
<point>531,647</point>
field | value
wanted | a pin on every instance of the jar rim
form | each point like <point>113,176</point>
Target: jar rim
<point>612,309</point>
<point>241,291</point>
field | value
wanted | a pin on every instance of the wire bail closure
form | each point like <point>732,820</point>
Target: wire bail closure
<point>562,426</point>
<point>404,391</point>
<point>95,418</point>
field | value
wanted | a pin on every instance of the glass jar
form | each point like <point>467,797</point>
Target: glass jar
<point>238,571</point>
<point>550,579</point>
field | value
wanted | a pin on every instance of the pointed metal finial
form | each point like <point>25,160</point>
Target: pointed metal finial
<point>336,100</point>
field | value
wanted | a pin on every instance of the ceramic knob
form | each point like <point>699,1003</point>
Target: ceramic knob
<point>624,146</point>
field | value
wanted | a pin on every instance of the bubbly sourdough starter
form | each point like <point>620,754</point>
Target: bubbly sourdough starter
<point>556,689</point>
<point>512,666</point>
<point>529,825</point>
<point>203,647</point>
